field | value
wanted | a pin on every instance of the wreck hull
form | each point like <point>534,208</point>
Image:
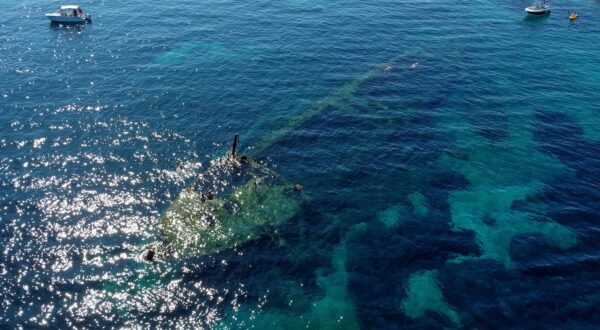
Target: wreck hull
<point>231,204</point>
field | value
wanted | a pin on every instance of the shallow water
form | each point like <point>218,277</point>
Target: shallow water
<point>448,151</point>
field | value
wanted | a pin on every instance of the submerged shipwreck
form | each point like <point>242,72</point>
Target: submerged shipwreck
<point>235,201</point>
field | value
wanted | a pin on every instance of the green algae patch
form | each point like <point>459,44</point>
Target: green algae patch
<point>333,310</point>
<point>336,309</point>
<point>585,114</point>
<point>419,204</point>
<point>423,293</point>
<point>488,213</point>
<point>393,216</point>
<point>499,176</point>
<point>208,50</point>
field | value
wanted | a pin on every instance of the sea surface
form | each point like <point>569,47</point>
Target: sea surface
<point>449,152</point>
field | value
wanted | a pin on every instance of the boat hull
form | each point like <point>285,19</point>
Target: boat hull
<point>537,11</point>
<point>56,18</point>
<point>250,202</point>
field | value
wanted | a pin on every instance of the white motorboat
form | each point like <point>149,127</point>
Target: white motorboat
<point>70,14</point>
<point>540,7</point>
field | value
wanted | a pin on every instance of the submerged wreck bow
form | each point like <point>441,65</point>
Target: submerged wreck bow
<point>235,201</point>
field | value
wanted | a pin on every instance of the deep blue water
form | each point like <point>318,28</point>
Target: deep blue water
<point>449,152</point>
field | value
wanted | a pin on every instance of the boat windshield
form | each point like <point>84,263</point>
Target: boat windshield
<point>73,12</point>
<point>541,4</point>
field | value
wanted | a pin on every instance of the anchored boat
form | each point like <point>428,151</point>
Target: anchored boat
<point>70,14</point>
<point>540,7</point>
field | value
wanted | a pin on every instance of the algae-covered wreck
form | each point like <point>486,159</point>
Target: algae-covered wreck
<point>235,201</point>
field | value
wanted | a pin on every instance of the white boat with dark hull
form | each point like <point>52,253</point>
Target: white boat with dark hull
<point>70,14</point>
<point>540,7</point>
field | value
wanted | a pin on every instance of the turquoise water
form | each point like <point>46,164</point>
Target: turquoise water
<point>448,152</point>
